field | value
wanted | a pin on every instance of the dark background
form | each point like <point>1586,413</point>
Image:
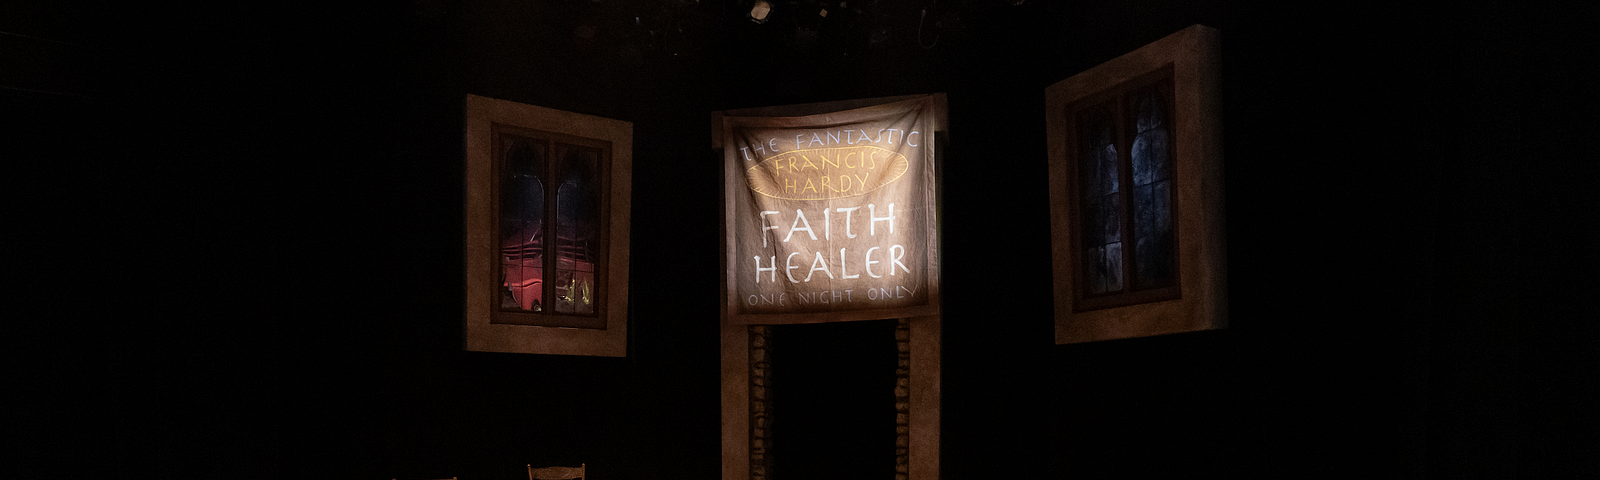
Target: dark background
<point>235,238</point>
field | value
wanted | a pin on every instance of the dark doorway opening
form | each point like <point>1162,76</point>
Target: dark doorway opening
<point>833,400</point>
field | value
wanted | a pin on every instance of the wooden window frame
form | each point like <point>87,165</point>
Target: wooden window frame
<point>1199,301</point>
<point>487,327</point>
<point>547,318</point>
<point>1121,97</point>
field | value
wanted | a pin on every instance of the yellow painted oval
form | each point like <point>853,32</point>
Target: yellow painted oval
<point>826,173</point>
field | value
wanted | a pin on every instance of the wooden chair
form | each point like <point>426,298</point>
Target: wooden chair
<point>556,473</point>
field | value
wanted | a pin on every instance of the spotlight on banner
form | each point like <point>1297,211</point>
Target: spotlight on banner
<point>759,12</point>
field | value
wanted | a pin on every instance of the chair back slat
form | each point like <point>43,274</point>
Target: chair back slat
<point>556,473</point>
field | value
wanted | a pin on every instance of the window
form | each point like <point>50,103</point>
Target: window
<point>547,214</point>
<point>555,286</point>
<point>1123,183</point>
<point>1136,193</point>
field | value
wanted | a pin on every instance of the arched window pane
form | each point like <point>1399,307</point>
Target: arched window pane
<point>577,230</point>
<point>522,225</point>
<point>1150,150</point>
<point>1154,254</point>
<point>1100,205</point>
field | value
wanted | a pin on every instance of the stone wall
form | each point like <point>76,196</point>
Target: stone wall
<point>760,403</point>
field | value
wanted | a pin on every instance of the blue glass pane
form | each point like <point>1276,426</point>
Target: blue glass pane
<point>1099,162</point>
<point>1099,204</point>
<point>1113,267</point>
<point>1110,213</point>
<point>1150,157</point>
<point>1143,211</point>
<point>1161,212</point>
<point>1154,248</point>
<point>1152,112</point>
<point>1154,252</point>
<point>1104,272</point>
<point>1109,174</point>
<point>1090,173</point>
<point>1102,221</point>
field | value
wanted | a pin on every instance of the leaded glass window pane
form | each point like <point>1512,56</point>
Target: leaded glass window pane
<point>1154,255</point>
<point>1101,205</point>
<point>577,230</point>
<point>522,199</point>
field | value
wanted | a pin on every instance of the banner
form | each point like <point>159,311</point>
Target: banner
<point>832,216</point>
